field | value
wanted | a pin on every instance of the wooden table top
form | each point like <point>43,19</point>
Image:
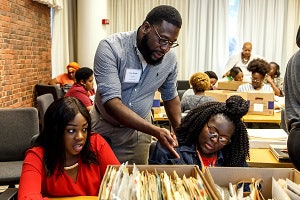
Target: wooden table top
<point>276,118</point>
<point>264,158</point>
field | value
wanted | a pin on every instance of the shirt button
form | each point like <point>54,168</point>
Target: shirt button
<point>135,90</point>
<point>130,104</point>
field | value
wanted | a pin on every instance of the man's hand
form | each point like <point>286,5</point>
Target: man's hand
<point>168,140</point>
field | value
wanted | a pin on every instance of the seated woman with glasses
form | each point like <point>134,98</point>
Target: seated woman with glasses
<point>210,135</point>
<point>259,68</point>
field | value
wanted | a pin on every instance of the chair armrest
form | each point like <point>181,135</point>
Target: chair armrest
<point>9,194</point>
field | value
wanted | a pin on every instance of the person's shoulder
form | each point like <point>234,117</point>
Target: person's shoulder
<point>38,151</point>
<point>242,87</point>
<point>208,98</point>
<point>188,92</point>
<point>119,37</point>
<point>97,139</point>
<point>63,75</point>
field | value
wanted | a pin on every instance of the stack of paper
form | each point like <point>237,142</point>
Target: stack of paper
<point>262,138</point>
<point>279,152</point>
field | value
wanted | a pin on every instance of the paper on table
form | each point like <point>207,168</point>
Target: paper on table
<point>277,134</point>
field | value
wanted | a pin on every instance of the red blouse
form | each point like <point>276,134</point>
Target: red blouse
<point>34,184</point>
<point>79,92</point>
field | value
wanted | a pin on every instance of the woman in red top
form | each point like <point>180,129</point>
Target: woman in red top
<point>83,89</point>
<point>66,159</point>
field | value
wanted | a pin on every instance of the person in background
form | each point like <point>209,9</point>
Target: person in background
<point>259,68</point>
<point>235,74</point>
<point>211,134</point>
<point>213,78</point>
<point>129,68</point>
<point>199,82</point>
<point>83,88</point>
<point>66,78</point>
<point>67,159</point>
<point>292,104</point>
<point>274,79</point>
<point>241,60</point>
<point>213,81</point>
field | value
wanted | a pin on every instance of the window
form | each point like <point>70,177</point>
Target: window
<point>232,33</point>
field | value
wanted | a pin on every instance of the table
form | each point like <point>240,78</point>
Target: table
<point>264,158</point>
<point>276,118</point>
<point>160,117</point>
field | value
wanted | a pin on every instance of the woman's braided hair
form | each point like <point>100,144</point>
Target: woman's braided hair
<point>237,151</point>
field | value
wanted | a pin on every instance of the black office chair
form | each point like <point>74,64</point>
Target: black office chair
<point>17,127</point>
<point>182,86</point>
<point>43,102</point>
<point>41,89</point>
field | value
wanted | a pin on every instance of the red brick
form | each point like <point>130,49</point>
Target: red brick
<point>25,50</point>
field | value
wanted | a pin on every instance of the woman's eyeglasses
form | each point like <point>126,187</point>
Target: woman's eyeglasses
<point>256,80</point>
<point>214,135</point>
<point>164,42</point>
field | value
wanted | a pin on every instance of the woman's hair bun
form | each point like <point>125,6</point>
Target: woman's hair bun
<point>237,106</point>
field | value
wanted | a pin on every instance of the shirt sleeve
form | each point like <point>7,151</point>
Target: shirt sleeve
<point>106,72</point>
<point>30,186</point>
<point>231,62</point>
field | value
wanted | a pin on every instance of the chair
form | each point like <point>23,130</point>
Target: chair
<point>18,126</point>
<point>41,89</point>
<point>9,194</point>
<point>43,102</point>
<point>182,86</point>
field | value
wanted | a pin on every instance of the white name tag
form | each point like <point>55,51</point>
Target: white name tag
<point>132,75</point>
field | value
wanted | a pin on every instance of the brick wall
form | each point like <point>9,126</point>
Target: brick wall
<point>25,50</point>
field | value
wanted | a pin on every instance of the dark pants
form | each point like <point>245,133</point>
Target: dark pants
<point>293,145</point>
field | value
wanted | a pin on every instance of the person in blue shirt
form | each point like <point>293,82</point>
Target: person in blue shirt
<point>211,134</point>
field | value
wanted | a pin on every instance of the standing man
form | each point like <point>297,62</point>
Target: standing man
<point>292,104</point>
<point>129,67</point>
<point>241,60</point>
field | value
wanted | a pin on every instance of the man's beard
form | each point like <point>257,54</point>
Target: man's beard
<point>147,52</point>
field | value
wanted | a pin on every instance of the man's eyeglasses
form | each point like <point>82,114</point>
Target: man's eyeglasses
<point>214,135</point>
<point>164,42</point>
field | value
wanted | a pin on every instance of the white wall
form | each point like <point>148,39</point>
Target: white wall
<point>90,29</point>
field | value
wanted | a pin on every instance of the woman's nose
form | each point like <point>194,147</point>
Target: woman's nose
<point>79,135</point>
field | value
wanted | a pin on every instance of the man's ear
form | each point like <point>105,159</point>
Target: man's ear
<point>146,27</point>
